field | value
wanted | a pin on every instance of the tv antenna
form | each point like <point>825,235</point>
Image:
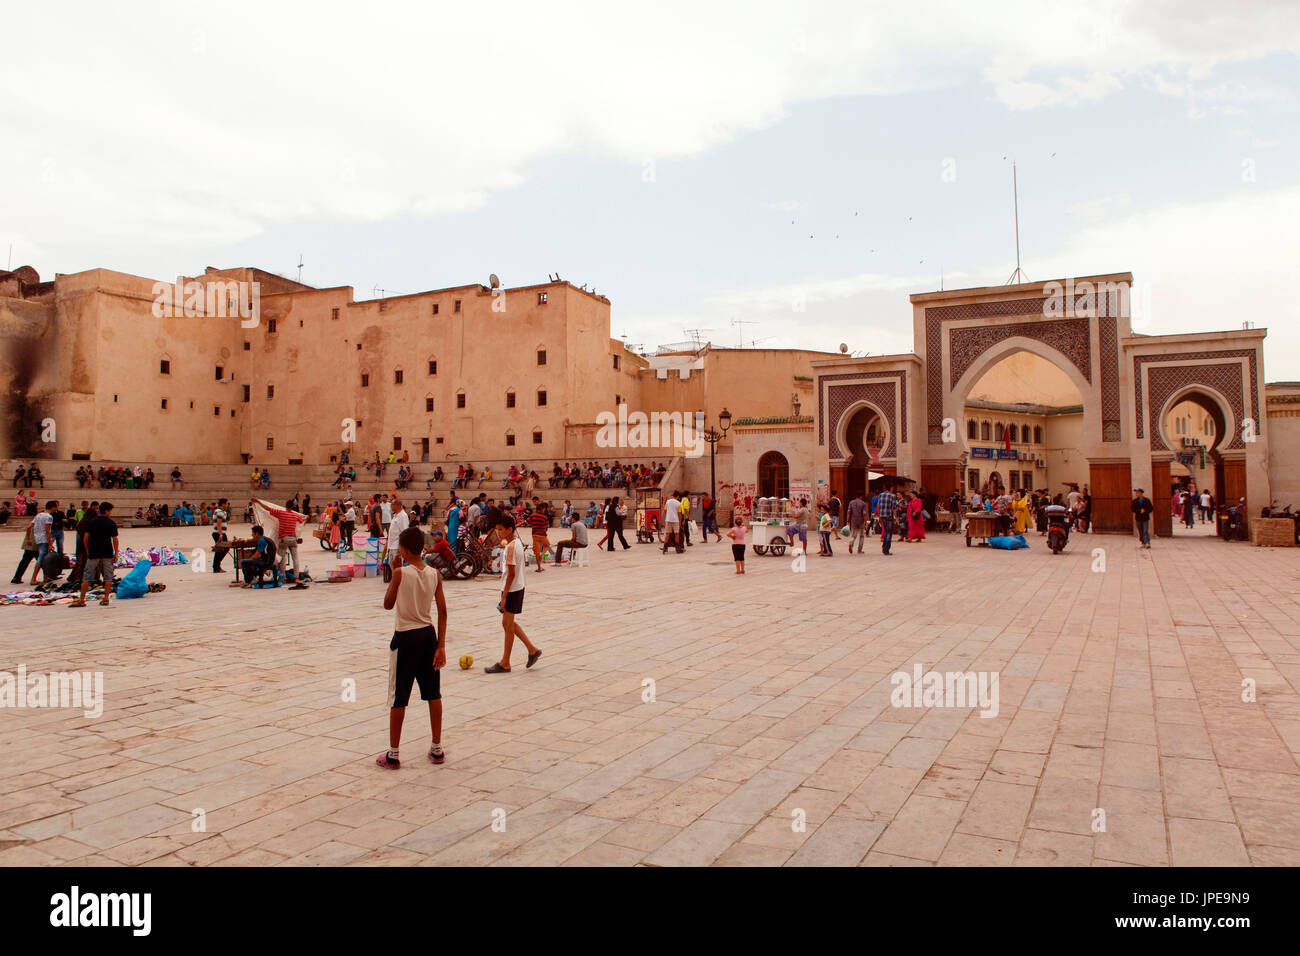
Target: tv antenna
<point>741,323</point>
<point>695,335</point>
<point>300,267</point>
<point>1015,207</point>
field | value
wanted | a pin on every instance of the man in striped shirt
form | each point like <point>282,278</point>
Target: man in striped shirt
<point>885,506</point>
<point>539,522</point>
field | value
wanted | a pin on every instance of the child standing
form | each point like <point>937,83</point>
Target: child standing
<point>512,595</point>
<point>738,544</point>
<point>825,527</point>
<point>417,651</point>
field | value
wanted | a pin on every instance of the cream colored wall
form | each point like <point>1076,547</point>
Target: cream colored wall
<point>1284,444</point>
<point>1025,377</point>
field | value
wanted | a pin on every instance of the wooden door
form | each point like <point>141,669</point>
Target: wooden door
<point>1234,485</point>
<point>839,483</point>
<point>1111,485</point>
<point>940,479</point>
<point>1162,520</point>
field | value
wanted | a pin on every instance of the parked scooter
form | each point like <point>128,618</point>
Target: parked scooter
<point>1234,526</point>
<point>1058,528</point>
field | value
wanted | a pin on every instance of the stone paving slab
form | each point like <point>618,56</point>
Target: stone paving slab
<point>684,716</point>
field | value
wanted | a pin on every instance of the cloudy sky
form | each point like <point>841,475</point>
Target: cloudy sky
<point>797,168</point>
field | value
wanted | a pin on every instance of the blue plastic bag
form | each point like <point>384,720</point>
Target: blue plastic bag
<point>134,584</point>
<point>1012,543</point>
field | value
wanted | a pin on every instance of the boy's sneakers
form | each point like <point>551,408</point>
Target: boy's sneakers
<point>436,755</point>
<point>387,761</point>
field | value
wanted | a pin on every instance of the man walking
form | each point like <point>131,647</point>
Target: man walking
<point>101,548</point>
<point>1142,509</point>
<point>672,524</point>
<point>512,595</point>
<point>857,520</point>
<point>614,516</point>
<point>885,507</point>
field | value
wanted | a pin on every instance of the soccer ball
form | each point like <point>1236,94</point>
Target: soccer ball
<point>466,661</point>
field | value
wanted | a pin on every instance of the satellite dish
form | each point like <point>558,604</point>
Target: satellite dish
<point>493,281</point>
<point>844,349</point>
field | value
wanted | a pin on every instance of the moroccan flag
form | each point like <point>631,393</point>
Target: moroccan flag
<point>1006,437</point>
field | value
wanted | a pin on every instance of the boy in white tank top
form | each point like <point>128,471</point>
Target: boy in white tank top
<point>417,651</point>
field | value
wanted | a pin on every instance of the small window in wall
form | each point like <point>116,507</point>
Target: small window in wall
<point>510,439</point>
<point>435,308</point>
<point>433,366</point>
<point>365,379</point>
<point>616,363</point>
<point>216,410</point>
<point>971,428</point>
<point>618,400</point>
<point>397,376</point>
<point>510,399</point>
<point>383,305</point>
<point>247,345</point>
<point>270,325</point>
<point>270,443</point>
<point>164,404</point>
<point>428,404</point>
<point>438,440</point>
<point>541,397</point>
<point>537,438</point>
<point>985,429</point>
<point>165,367</point>
<point>270,391</point>
<point>456,306</point>
<point>1027,480</point>
<point>460,399</point>
<point>397,443</point>
<point>334,315</point>
<point>1015,432</point>
<point>358,346</point>
<point>248,392</point>
<point>232,413</point>
<point>221,373</point>
<point>541,356</point>
<point>541,298</point>
<point>358,423</point>
<point>1015,480</point>
<point>1038,434</point>
<point>973,478</point>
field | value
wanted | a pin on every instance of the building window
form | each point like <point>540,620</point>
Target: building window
<point>334,315</point>
<point>1015,435</point>
<point>985,428</point>
<point>397,376</point>
<point>165,367</point>
<point>270,325</point>
<point>164,404</point>
<point>248,393</point>
<point>397,443</point>
<point>383,305</point>
<point>358,423</point>
<point>1027,480</point>
<point>1015,481</point>
<point>618,400</point>
<point>247,345</point>
<point>216,410</point>
<point>270,391</point>
<point>1038,434</point>
<point>510,439</point>
<point>510,399</point>
<point>433,366</point>
<point>456,306</point>
<point>971,428</point>
<point>616,363</point>
<point>435,308</point>
<point>438,440</point>
<point>541,397</point>
<point>358,346</point>
<point>365,379</point>
<point>221,372</point>
<point>537,438</point>
<point>270,443</point>
<point>541,356</point>
<point>973,477</point>
<point>460,400</point>
<point>428,404</point>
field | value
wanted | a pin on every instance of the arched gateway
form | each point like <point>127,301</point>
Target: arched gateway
<point>1082,326</point>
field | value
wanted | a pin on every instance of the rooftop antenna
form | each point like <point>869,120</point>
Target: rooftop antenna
<point>695,335</point>
<point>10,264</point>
<point>300,267</point>
<point>1015,205</point>
<point>741,323</point>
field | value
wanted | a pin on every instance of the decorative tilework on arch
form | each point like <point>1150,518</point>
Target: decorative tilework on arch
<point>839,397</point>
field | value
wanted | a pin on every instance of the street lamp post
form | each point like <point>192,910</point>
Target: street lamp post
<point>713,436</point>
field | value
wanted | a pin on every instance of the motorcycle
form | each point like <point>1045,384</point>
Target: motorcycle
<point>1058,528</point>
<point>1234,524</point>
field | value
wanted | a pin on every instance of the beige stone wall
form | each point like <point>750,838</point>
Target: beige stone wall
<point>1284,443</point>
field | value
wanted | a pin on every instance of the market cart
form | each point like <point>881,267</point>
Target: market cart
<point>649,524</point>
<point>767,526</point>
<point>982,525</point>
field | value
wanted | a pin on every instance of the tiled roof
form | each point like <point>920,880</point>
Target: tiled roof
<point>776,420</point>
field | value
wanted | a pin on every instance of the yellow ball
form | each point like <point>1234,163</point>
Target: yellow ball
<point>466,661</point>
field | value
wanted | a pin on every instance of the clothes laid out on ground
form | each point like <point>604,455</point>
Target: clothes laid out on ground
<point>130,557</point>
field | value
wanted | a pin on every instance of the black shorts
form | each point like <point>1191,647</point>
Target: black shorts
<point>738,552</point>
<point>410,659</point>
<point>514,602</point>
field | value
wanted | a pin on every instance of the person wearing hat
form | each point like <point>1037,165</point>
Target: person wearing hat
<point>1142,509</point>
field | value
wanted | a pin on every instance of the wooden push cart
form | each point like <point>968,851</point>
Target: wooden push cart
<point>982,525</point>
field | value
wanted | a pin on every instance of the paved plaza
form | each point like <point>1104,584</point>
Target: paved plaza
<point>682,715</point>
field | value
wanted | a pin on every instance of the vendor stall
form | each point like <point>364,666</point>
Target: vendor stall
<point>982,525</point>
<point>767,525</point>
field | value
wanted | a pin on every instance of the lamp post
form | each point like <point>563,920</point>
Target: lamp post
<point>713,436</point>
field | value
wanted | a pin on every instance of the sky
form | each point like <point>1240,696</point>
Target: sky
<point>780,174</point>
